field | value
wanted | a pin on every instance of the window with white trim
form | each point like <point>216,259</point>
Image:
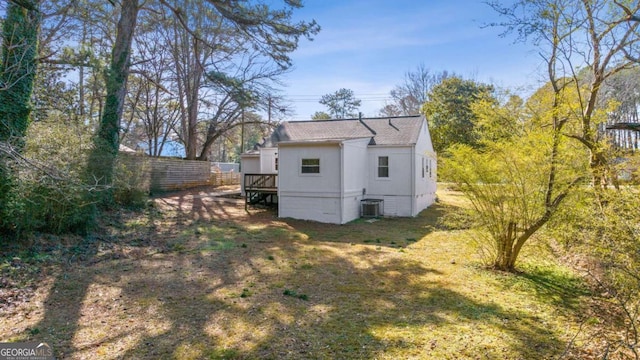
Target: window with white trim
<point>310,166</point>
<point>383,166</point>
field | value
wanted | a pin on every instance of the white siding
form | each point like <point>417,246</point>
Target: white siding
<point>309,196</point>
<point>292,180</point>
<point>425,187</point>
<point>396,190</point>
<point>405,192</point>
<point>355,180</point>
<point>248,165</point>
<point>334,195</point>
<point>397,205</point>
<point>316,208</point>
<point>268,160</point>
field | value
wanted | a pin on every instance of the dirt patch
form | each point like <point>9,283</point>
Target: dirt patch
<point>218,203</point>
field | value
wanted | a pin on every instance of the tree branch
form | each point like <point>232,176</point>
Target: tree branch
<point>630,15</point>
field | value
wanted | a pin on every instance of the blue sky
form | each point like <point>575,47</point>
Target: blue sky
<point>368,45</point>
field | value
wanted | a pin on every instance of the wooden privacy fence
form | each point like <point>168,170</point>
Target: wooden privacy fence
<point>164,174</point>
<point>225,178</point>
<point>174,174</point>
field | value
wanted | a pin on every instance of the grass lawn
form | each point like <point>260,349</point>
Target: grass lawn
<point>198,278</point>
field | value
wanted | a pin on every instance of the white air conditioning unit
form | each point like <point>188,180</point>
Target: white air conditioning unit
<point>371,208</point>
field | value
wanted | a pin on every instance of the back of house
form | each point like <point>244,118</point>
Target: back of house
<point>331,170</point>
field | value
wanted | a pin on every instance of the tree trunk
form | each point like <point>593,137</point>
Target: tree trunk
<point>18,70</point>
<point>505,257</point>
<point>193,83</point>
<point>17,75</point>
<point>106,142</point>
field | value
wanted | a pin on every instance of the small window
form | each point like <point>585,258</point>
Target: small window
<point>423,165</point>
<point>427,167</point>
<point>276,164</point>
<point>310,166</point>
<point>383,166</point>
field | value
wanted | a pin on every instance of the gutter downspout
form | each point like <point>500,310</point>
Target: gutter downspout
<point>413,181</point>
<point>341,174</point>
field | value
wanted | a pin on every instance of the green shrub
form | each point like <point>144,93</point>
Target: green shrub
<point>47,205</point>
<point>45,192</point>
<point>45,189</point>
<point>131,181</point>
<point>603,228</point>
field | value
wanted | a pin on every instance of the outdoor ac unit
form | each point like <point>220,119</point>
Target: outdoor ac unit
<point>371,208</point>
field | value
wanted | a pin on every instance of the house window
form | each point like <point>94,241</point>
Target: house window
<point>427,167</point>
<point>383,166</point>
<point>310,166</point>
<point>423,168</point>
<point>276,164</point>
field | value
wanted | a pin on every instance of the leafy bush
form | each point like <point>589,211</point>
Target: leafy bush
<point>46,190</point>
<point>604,229</point>
<point>131,181</point>
<point>51,206</point>
<point>46,193</point>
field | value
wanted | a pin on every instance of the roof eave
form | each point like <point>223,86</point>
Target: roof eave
<point>320,141</point>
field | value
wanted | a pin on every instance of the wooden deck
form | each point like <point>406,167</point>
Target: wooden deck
<point>260,188</point>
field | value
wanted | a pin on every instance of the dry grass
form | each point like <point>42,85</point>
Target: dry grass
<point>199,278</point>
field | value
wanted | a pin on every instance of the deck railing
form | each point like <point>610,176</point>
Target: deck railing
<point>260,181</point>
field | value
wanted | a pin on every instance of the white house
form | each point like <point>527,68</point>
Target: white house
<point>326,169</point>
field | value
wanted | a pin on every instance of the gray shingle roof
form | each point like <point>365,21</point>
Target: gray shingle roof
<point>403,130</point>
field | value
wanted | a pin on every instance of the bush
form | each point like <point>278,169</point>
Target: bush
<point>508,184</point>
<point>51,206</point>
<point>603,228</point>
<point>44,191</point>
<point>131,181</point>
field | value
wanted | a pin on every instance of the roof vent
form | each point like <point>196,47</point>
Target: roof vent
<point>365,125</point>
<point>393,126</point>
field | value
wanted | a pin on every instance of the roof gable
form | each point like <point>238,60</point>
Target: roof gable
<point>402,130</point>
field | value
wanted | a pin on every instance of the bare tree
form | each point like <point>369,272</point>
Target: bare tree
<point>622,88</point>
<point>269,31</point>
<point>152,109</point>
<point>583,43</point>
<point>409,96</point>
<point>216,76</point>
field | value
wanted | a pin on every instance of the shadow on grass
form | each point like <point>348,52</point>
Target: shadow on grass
<point>353,311</point>
<point>70,287</point>
<point>364,299</point>
<point>553,285</point>
<point>386,231</point>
